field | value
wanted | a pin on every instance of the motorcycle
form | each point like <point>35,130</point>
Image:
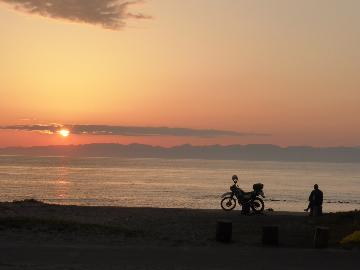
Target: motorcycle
<point>252,199</point>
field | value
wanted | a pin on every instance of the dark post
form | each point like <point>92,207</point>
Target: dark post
<point>224,231</point>
<point>270,235</point>
<point>321,237</point>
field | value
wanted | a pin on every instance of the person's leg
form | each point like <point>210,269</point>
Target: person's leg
<point>311,206</point>
<point>319,210</point>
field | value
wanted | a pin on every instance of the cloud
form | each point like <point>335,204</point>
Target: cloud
<point>129,131</point>
<point>110,14</point>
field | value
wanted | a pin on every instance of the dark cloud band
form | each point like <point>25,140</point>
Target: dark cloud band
<point>129,131</point>
<point>110,14</point>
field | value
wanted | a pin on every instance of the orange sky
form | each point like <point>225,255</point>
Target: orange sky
<point>285,68</point>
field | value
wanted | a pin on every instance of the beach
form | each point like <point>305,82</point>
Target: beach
<point>35,235</point>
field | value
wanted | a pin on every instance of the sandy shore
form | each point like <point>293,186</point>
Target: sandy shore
<point>34,235</point>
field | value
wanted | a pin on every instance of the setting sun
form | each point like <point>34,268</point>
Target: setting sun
<point>64,132</point>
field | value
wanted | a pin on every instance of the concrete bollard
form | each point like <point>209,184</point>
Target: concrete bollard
<point>270,235</point>
<point>321,237</point>
<point>224,231</point>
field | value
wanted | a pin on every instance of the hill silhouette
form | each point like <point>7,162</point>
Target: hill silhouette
<point>259,152</point>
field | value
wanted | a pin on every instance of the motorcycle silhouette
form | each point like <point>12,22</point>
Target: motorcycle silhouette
<point>252,199</point>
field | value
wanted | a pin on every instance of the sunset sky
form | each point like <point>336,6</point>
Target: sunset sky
<point>168,72</point>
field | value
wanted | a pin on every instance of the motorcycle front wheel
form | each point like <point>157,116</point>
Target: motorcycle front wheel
<point>228,203</point>
<point>257,205</point>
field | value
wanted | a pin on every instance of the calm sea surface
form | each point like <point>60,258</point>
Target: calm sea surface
<point>174,183</point>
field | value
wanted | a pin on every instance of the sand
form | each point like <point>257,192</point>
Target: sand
<point>34,235</point>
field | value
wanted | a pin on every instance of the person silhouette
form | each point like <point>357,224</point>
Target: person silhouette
<point>315,201</point>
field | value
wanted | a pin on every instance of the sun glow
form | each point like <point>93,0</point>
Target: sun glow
<point>64,132</point>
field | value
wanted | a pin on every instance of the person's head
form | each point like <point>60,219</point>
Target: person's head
<point>316,186</point>
<point>235,178</point>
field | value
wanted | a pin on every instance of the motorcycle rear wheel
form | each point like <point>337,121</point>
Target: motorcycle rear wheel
<point>228,203</point>
<point>257,205</point>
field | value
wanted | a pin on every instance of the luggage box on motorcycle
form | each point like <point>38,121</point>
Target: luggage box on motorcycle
<point>258,186</point>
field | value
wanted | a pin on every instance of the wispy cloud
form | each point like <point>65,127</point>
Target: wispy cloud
<point>110,14</point>
<point>129,131</point>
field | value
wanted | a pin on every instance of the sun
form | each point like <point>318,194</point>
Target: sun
<point>64,132</point>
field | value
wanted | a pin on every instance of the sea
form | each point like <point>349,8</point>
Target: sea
<point>175,183</point>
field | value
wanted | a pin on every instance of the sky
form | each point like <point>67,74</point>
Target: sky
<point>169,72</point>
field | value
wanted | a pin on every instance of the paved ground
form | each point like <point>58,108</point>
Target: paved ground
<point>221,257</point>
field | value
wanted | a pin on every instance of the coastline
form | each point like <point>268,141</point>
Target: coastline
<point>32,225</point>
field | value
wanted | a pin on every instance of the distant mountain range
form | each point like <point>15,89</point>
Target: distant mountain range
<point>259,152</point>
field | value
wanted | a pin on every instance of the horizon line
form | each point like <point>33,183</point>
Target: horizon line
<point>185,144</point>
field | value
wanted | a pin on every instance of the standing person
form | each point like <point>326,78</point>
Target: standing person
<point>315,201</point>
